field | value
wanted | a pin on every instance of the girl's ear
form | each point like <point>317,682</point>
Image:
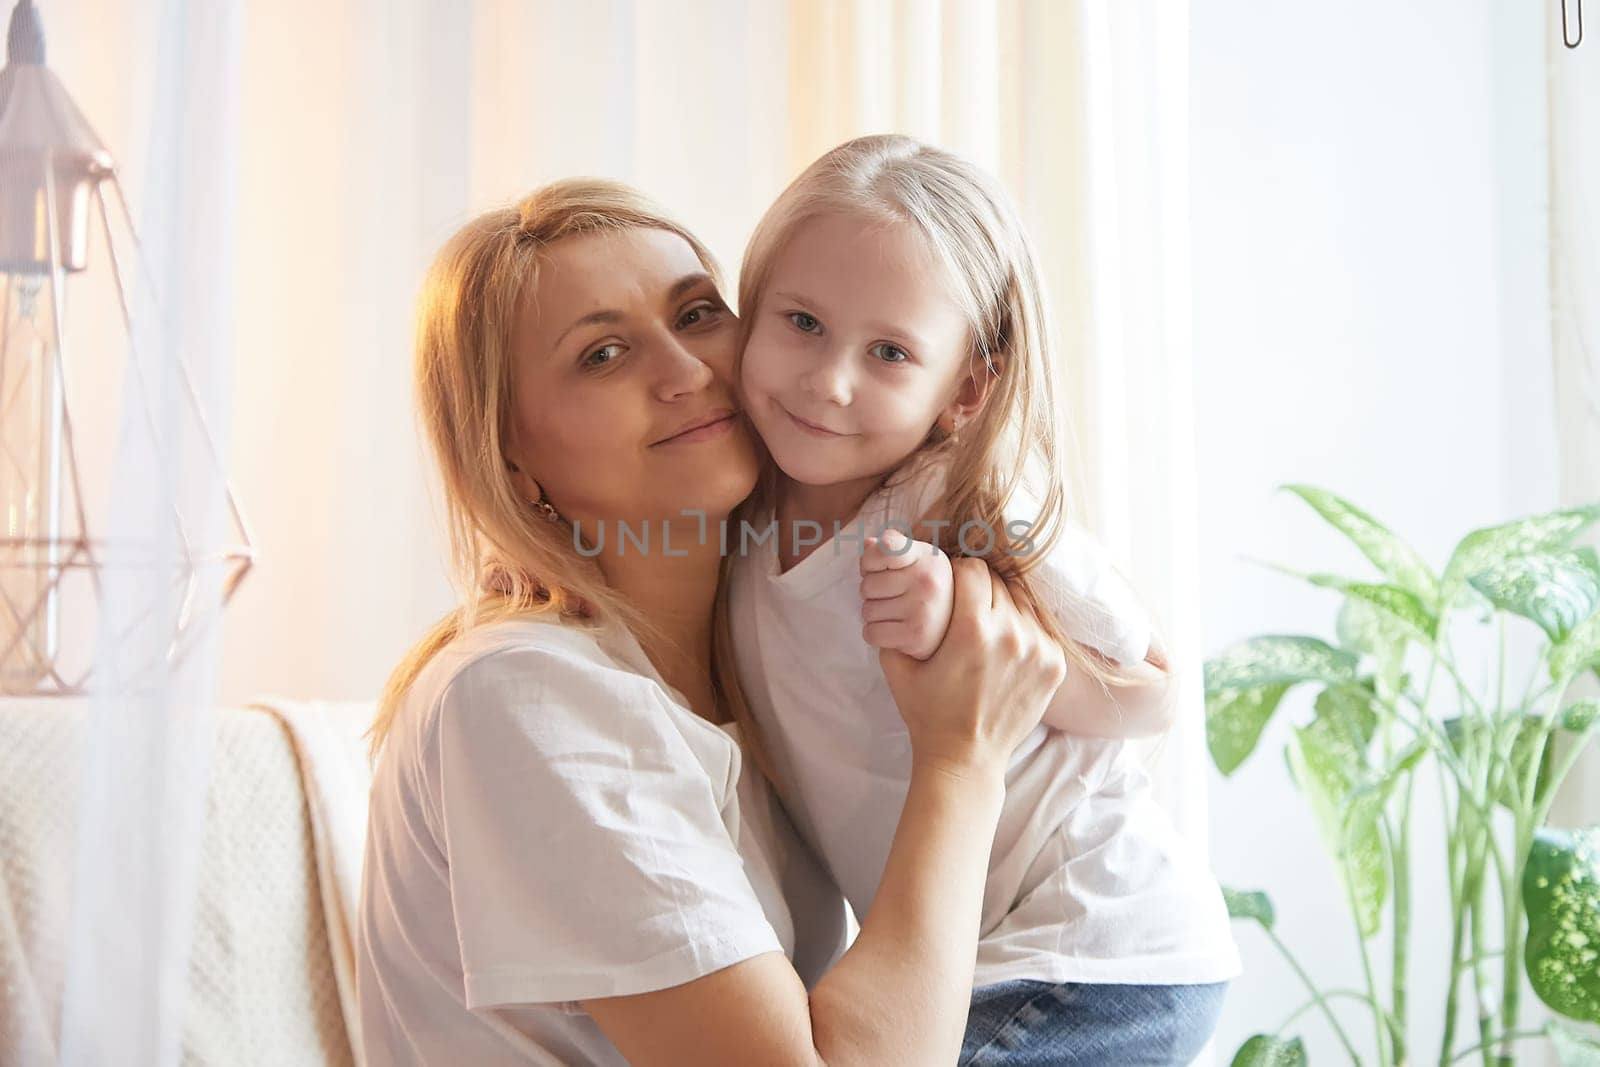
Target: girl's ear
<point>972,392</point>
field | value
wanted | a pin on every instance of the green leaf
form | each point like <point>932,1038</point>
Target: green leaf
<point>1406,762</point>
<point>1348,824</point>
<point>1363,627</point>
<point>1264,1050</point>
<point>1580,718</point>
<point>1388,552</point>
<point>1346,721</point>
<point>1529,731</point>
<point>1482,549</point>
<point>1463,732</point>
<point>1467,598</point>
<point>1246,683</point>
<point>1235,719</point>
<point>1561,892</point>
<point>1555,591</point>
<point>1272,660</point>
<point>1573,1048</point>
<point>1364,806</point>
<point>1403,608</point>
<point>1578,651</point>
<point>1253,904</point>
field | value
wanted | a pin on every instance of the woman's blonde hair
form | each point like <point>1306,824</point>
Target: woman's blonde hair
<point>507,559</point>
<point>973,232</point>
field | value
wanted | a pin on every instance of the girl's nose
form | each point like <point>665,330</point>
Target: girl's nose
<point>829,380</point>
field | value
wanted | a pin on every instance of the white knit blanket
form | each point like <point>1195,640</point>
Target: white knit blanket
<point>265,981</point>
<point>337,775</point>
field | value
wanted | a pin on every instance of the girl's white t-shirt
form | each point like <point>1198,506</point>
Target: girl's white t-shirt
<point>550,823</point>
<point>1088,880</point>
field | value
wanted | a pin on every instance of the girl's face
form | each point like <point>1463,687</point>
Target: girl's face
<point>625,407</point>
<point>856,350</point>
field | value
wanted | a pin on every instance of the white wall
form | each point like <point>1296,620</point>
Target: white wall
<point>1370,267</point>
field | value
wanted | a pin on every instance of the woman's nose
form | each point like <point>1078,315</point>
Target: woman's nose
<point>683,372</point>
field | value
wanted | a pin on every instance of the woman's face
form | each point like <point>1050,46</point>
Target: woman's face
<point>625,407</point>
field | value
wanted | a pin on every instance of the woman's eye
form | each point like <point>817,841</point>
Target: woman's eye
<point>699,314</point>
<point>889,353</point>
<point>804,323</point>
<point>594,359</point>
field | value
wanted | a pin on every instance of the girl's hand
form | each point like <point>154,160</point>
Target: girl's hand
<point>907,593</point>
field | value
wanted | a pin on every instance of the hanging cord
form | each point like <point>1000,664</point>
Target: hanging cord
<point>1567,38</point>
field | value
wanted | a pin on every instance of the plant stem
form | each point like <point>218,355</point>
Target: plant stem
<point>1438,741</point>
<point>1525,821</point>
<point>1500,675</point>
<point>1557,777</point>
<point>1541,807</point>
<point>1451,1010</point>
<point>1480,843</point>
<point>1316,995</point>
<point>1514,1035</point>
<point>1471,869</point>
<point>1480,975</point>
<point>1317,1002</point>
<point>1511,966</point>
<point>1380,1027</point>
<point>1455,848</point>
<point>1461,686</point>
<point>1402,923</point>
<point>1455,862</point>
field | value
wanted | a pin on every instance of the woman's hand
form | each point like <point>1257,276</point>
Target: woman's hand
<point>907,594</point>
<point>988,683</point>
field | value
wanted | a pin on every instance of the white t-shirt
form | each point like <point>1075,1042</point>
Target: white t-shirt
<point>551,823</point>
<point>1088,880</point>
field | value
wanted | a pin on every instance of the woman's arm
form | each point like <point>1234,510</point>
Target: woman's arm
<point>900,994</point>
<point>916,967</point>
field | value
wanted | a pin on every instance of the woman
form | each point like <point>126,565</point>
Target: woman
<point>567,860</point>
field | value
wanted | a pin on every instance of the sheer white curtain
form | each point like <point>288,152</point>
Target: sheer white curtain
<point>147,736</point>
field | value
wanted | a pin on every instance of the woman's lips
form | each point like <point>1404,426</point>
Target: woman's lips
<point>710,431</point>
<point>810,427</point>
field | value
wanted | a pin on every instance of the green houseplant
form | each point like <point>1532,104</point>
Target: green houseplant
<point>1392,714</point>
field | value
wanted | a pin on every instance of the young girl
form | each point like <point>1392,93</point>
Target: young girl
<point>897,366</point>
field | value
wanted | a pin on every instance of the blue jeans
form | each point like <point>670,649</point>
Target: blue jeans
<point>1033,1024</point>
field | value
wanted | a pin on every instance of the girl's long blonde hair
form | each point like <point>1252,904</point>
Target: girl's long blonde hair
<point>507,559</point>
<point>1018,439</point>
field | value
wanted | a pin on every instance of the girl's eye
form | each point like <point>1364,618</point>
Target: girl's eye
<point>804,323</point>
<point>700,314</point>
<point>889,353</point>
<point>591,359</point>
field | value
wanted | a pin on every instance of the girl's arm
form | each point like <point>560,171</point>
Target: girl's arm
<point>906,598</point>
<point>1085,707</point>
